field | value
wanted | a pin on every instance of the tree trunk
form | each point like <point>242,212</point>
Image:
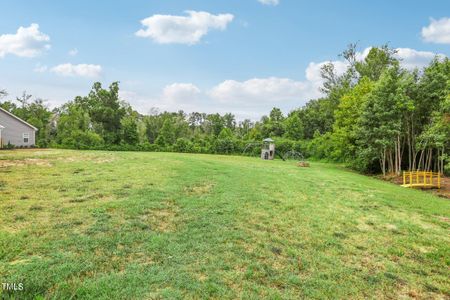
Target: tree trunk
<point>395,157</point>
<point>419,164</point>
<point>390,162</point>
<point>428,160</point>
<point>400,155</point>
<point>383,162</point>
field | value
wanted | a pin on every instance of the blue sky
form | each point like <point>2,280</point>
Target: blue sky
<point>240,56</point>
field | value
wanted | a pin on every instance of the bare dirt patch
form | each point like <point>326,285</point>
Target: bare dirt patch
<point>444,219</point>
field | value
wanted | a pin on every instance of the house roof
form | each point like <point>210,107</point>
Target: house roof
<point>17,118</point>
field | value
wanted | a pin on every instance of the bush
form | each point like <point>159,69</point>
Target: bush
<point>9,146</point>
<point>224,146</point>
<point>183,145</point>
<point>82,140</point>
<point>321,146</point>
<point>447,169</point>
<point>283,145</point>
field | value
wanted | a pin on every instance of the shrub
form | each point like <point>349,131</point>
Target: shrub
<point>82,140</point>
<point>183,145</point>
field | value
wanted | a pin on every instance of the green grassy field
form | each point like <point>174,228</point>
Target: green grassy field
<point>123,225</point>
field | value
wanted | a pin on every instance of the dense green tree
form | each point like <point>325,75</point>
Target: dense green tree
<point>215,124</point>
<point>244,128</point>
<point>294,128</point>
<point>229,121</point>
<point>74,128</point>
<point>377,60</point>
<point>273,124</point>
<point>166,136</point>
<point>317,116</point>
<point>130,133</point>
<point>346,125</point>
<point>380,125</point>
<point>106,111</point>
<point>153,124</point>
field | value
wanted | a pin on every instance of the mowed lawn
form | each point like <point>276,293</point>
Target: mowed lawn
<point>129,225</point>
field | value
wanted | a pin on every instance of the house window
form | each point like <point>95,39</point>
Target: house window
<point>26,137</point>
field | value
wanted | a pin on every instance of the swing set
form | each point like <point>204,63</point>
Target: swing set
<point>422,179</point>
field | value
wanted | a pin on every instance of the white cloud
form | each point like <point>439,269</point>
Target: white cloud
<point>73,52</point>
<point>168,29</point>
<point>269,2</point>
<point>254,97</point>
<point>40,68</point>
<point>437,32</point>
<point>246,99</point>
<point>128,95</point>
<point>177,93</point>
<point>258,90</point>
<point>81,70</point>
<point>411,59</point>
<point>363,54</point>
<point>26,42</point>
<point>173,97</point>
<point>313,71</point>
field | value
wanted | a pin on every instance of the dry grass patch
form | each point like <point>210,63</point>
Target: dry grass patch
<point>84,198</point>
<point>25,162</point>
<point>95,160</point>
<point>199,189</point>
<point>365,224</point>
<point>161,219</point>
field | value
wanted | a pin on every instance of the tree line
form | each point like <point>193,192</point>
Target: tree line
<point>375,117</point>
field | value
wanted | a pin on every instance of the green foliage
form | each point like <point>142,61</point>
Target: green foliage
<point>214,124</point>
<point>183,145</point>
<point>130,134</point>
<point>376,62</point>
<point>322,146</point>
<point>225,133</point>
<point>82,140</point>
<point>166,136</point>
<point>294,127</point>
<point>225,142</point>
<point>347,115</point>
<point>388,119</point>
<point>105,110</point>
<point>283,145</point>
<point>380,123</point>
<point>274,124</point>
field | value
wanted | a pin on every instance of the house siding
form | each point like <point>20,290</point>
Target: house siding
<point>14,130</point>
